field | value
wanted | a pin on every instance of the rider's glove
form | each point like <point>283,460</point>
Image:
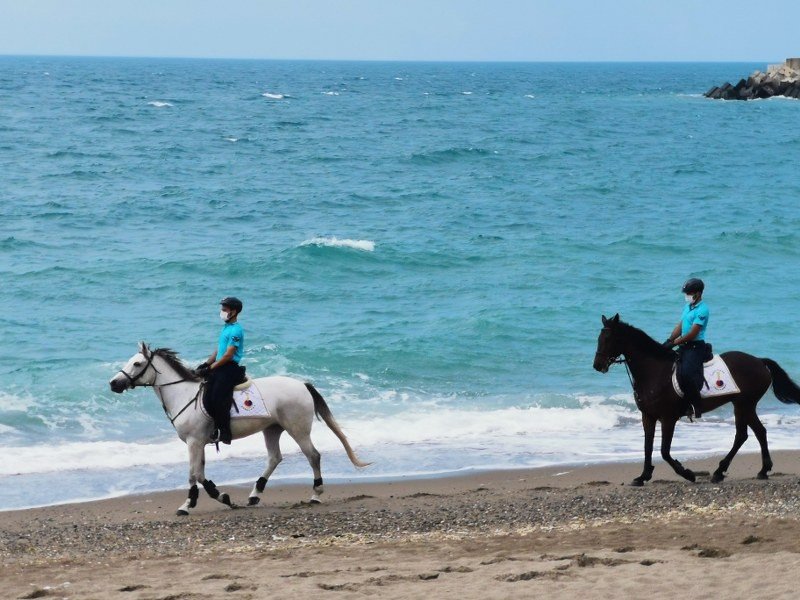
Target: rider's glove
<point>202,369</point>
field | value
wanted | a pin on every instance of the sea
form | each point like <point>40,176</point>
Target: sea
<point>431,244</point>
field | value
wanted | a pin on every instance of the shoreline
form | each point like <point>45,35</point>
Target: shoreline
<point>505,534</point>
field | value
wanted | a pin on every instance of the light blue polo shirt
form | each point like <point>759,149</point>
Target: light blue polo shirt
<point>232,335</point>
<point>695,315</point>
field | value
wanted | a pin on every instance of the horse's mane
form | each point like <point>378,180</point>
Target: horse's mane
<point>645,342</point>
<point>176,363</point>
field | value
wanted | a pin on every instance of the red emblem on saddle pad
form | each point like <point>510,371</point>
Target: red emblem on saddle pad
<point>719,382</point>
<point>247,404</point>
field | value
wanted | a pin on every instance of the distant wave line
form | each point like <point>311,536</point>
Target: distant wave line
<point>334,242</point>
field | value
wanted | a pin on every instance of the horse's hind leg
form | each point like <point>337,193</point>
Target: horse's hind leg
<point>314,459</point>
<point>741,437</point>
<point>761,435</point>
<point>272,437</point>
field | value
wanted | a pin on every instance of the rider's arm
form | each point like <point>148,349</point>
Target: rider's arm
<point>225,358</point>
<point>689,336</point>
<point>676,333</point>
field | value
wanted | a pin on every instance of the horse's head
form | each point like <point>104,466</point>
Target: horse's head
<point>609,347</point>
<point>138,370</point>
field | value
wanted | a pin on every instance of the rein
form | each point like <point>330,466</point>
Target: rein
<point>158,386</point>
<point>623,361</point>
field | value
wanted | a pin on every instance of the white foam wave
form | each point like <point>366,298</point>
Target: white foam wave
<point>530,96</point>
<point>463,438</point>
<point>330,93</point>
<point>273,96</point>
<point>334,242</point>
<point>467,93</point>
<point>159,104</point>
<point>231,139</point>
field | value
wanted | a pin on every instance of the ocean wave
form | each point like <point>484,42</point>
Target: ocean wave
<point>330,93</point>
<point>334,242</point>
<point>159,104</point>
<point>449,155</point>
<point>273,96</point>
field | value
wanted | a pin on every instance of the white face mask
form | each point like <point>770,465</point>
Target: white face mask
<point>689,298</point>
<point>223,315</point>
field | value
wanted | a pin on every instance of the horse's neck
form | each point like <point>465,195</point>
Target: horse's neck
<point>642,363</point>
<point>171,387</point>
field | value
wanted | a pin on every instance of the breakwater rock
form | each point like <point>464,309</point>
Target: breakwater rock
<point>779,80</point>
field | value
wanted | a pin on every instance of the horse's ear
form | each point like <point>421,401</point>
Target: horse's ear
<point>605,321</point>
<point>615,319</point>
<point>143,349</point>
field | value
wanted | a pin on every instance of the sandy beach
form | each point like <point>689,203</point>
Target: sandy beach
<point>562,532</point>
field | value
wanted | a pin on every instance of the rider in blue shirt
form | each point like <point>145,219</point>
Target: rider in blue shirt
<point>689,335</point>
<point>222,370</point>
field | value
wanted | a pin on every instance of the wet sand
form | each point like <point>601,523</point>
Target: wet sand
<point>561,532</point>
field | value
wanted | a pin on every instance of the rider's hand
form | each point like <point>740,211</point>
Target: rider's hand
<point>202,369</point>
<point>669,343</point>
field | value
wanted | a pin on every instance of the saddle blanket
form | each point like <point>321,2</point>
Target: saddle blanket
<point>248,403</point>
<point>718,379</point>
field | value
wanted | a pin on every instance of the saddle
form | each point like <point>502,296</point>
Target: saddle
<point>717,376</point>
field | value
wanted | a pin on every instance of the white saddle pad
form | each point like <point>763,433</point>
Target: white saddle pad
<point>719,381</point>
<point>249,403</point>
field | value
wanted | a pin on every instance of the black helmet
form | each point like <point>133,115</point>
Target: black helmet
<point>693,286</point>
<point>232,302</point>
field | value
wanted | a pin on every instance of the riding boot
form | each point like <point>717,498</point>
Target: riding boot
<point>693,404</point>
<point>225,435</point>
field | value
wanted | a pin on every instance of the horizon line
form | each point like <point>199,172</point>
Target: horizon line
<point>388,60</point>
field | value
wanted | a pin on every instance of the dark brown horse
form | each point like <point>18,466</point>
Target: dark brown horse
<point>650,365</point>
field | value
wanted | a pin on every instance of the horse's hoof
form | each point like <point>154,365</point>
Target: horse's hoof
<point>315,500</point>
<point>689,475</point>
<point>182,513</point>
<point>253,500</point>
<point>717,478</point>
<point>762,476</point>
<point>226,500</point>
<point>638,482</point>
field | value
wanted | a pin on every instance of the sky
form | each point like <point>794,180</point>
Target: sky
<point>431,30</point>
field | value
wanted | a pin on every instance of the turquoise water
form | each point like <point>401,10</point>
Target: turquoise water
<point>431,244</point>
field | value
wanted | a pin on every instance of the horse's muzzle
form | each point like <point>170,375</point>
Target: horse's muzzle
<point>117,386</point>
<point>601,363</point>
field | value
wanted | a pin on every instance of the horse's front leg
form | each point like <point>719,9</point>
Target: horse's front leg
<point>197,473</point>
<point>649,426</point>
<point>197,460</point>
<point>667,431</point>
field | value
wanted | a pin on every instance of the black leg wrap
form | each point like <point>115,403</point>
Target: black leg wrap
<point>194,494</point>
<point>211,488</point>
<point>261,484</point>
<point>318,482</point>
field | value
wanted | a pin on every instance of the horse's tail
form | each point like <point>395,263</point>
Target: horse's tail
<point>785,390</point>
<point>322,411</point>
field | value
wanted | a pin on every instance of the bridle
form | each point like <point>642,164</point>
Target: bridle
<point>158,386</point>
<point>609,360</point>
<point>617,360</point>
<point>149,364</point>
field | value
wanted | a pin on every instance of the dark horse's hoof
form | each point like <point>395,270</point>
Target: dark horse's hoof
<point>638,482</point>
<point>717,478</point>
<point>253,500</point>
<point>762,476</point>
<point>182,513</point>
<point>687,474</point>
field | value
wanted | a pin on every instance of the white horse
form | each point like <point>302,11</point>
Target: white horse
<point>292,405</point>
